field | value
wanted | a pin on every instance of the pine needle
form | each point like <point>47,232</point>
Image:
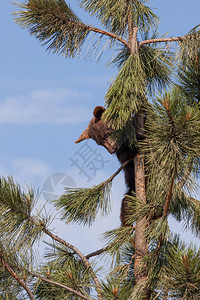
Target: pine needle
<point>54,24</point>
<point>81,205</point>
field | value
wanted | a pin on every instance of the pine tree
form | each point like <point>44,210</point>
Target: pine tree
<point>148,261</point>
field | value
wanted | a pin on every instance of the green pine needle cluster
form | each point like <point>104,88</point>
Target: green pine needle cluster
<point>189,80</point>
<point>139,75</point>
<point>181,275</point>
<point>113,289</point>
<point>116,240</point>
<point>9,287</point>
<point>157,63</point>
<point>19,260</point>
<point>15,208</point>
<point>68,271</point>
<point>172,136</point>
<point>189,46</point>
<point>126,94</point>
<point>16,222</point>
<point>54,24</point>
<point>140,14</point>
<point>186,208</point>
<point>82,205</point>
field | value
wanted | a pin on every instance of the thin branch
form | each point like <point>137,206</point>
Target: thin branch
<point>164,214</point>
<point>56,283</point>
<point>157,295</point>
<point>164,40</point>
<point>110,34</point>
<point>16,277</point>
<point>94,29</point>
<point>59,285</point>
<point>78,252</point>
<point>97,30</point>
<point>118,171</point>
<point>168,198</point>
<point>186,175</point>
<point>79,24</point>
<point>166,105</point>
<point>131,260</point>
<point>97,252</point>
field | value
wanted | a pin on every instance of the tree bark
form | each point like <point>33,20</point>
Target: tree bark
<point>16,277</point>
<point>141,243</point>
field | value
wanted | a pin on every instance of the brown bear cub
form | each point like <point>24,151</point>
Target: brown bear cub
<point>100,132</point>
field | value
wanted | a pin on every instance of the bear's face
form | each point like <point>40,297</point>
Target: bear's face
<point>99,131</point>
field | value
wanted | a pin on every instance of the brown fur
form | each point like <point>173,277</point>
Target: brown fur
<point>100,132</point>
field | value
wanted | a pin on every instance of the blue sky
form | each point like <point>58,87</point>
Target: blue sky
<point>46,101</point>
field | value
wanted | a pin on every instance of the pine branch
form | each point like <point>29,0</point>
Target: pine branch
<point>189,44</point>
<point>115,15</point>
<point>34,274</point>
<point>195,201</point>
<point>16,207</point>
<point>16,277</point>
<point>171,141</point>
<point>54,23</point>
<point>189,78</point>
<point>167,40</point>
<point>110,34</point>
<point>187,173</point>
<point>81,205</point>
<point>157,63</point>
<point>164,40</point>
<point>110,179</point>
<point>180,275</point>
<point>186,208</point>
<point>59,285</point>
<point>78,252</point>
<point>166,105</point>
<point>168,197</point>
<point>127,93</point>
<point>116,239</point>
<point>11,196</point>
<point>98,252</point>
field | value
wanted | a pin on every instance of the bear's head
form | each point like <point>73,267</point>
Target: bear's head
<point>100,131</point>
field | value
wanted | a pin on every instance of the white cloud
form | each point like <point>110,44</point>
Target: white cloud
<point>45,106</point>
<point>25,171</point>
<point>30,168</point>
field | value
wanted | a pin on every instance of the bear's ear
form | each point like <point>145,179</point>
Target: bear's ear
<point>98,111</point>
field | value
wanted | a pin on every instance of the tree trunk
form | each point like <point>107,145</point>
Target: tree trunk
<point>141,244</point>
